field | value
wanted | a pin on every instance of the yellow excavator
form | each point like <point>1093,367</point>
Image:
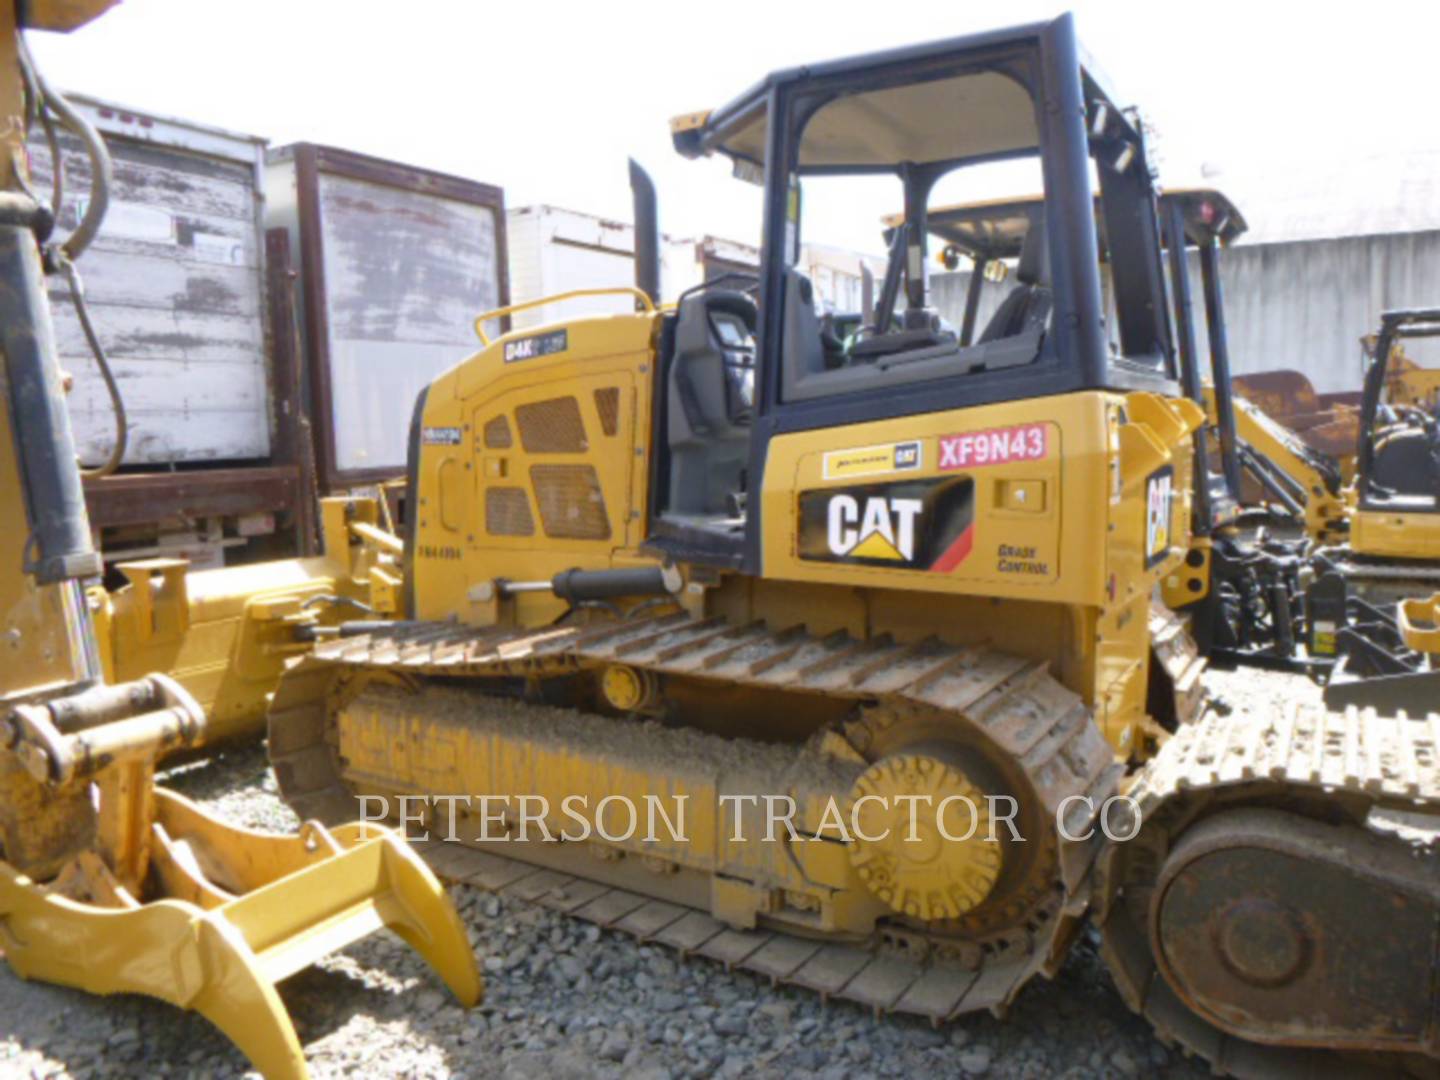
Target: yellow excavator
<point>1407,382</point>
<point>1369,528</point>
<point>837,660</point>
<point>1330,423</point>
<point>109,883</point>
<point>1376,602</point>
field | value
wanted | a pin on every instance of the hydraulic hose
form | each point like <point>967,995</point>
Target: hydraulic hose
<point>122,422</point>
<point>101,169</point>
<point>42,100</point>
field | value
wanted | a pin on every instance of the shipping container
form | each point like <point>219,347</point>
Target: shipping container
<point>554,250</point>
<point>395,263</point>
<point>177,291</point>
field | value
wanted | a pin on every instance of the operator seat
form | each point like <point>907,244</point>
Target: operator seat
<point>1028,305</point>
<point>1406,471</point>
<point>709,401</point>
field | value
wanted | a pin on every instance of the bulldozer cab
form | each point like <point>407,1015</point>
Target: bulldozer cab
<point>740,365</point>
<point>1398,464</point>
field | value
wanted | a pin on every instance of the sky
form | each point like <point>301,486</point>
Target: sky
<point>548,99</point>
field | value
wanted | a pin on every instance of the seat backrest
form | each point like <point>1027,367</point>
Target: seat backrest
<point>708,444</point>
<point>802,346</point>
<point>1407,464</point>
<point>1028,304</point>
<point>697,371</point>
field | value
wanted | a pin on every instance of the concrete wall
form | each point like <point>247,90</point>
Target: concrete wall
<point>1305,305</point>
<point>1301,305</point>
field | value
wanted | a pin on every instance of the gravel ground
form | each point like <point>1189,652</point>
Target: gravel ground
<point>565,999</point>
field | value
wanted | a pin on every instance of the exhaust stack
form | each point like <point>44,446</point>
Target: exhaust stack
<point>647,232</point>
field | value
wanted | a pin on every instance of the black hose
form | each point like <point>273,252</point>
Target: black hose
<point>57,167</point>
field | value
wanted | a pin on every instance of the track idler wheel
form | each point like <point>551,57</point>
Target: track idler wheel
<point>924,840</point>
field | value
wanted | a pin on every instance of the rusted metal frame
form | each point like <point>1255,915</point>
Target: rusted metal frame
<point>138,498</point>
<point>311,161</point>
<point>290,445</point>
<point>358,166</point>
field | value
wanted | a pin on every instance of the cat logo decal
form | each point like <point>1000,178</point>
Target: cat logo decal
<point>910,525</point>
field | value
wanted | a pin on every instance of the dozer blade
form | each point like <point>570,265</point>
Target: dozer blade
<point>240,911</point>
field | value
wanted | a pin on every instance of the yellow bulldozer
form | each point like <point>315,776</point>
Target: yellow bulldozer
<point>108,882</point>
<point>839,659</point>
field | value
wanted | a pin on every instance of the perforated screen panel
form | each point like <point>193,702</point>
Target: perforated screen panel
<point>607,404</point>
<point>507,512</point>
<point>497,434</point>
<point>552,426</point>
<point>571,504</point>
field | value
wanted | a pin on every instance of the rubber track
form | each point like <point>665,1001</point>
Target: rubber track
<point>1356,759</point>
<point>1014,700</point>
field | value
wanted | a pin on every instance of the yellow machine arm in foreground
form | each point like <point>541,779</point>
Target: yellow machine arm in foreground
<point>107,882</point>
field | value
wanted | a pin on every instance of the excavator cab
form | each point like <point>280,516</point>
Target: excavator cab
<point>1399,446</point>
<point>1397,471</point>
<point>913,118</point>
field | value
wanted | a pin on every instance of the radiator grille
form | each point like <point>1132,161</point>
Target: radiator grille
<point>497,434</point>
<point>607,404</point>
<point>507,512</point>
<point>551,427</point>
<point>571,505</point>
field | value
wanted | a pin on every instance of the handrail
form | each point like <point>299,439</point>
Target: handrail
<point>573,294</point>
